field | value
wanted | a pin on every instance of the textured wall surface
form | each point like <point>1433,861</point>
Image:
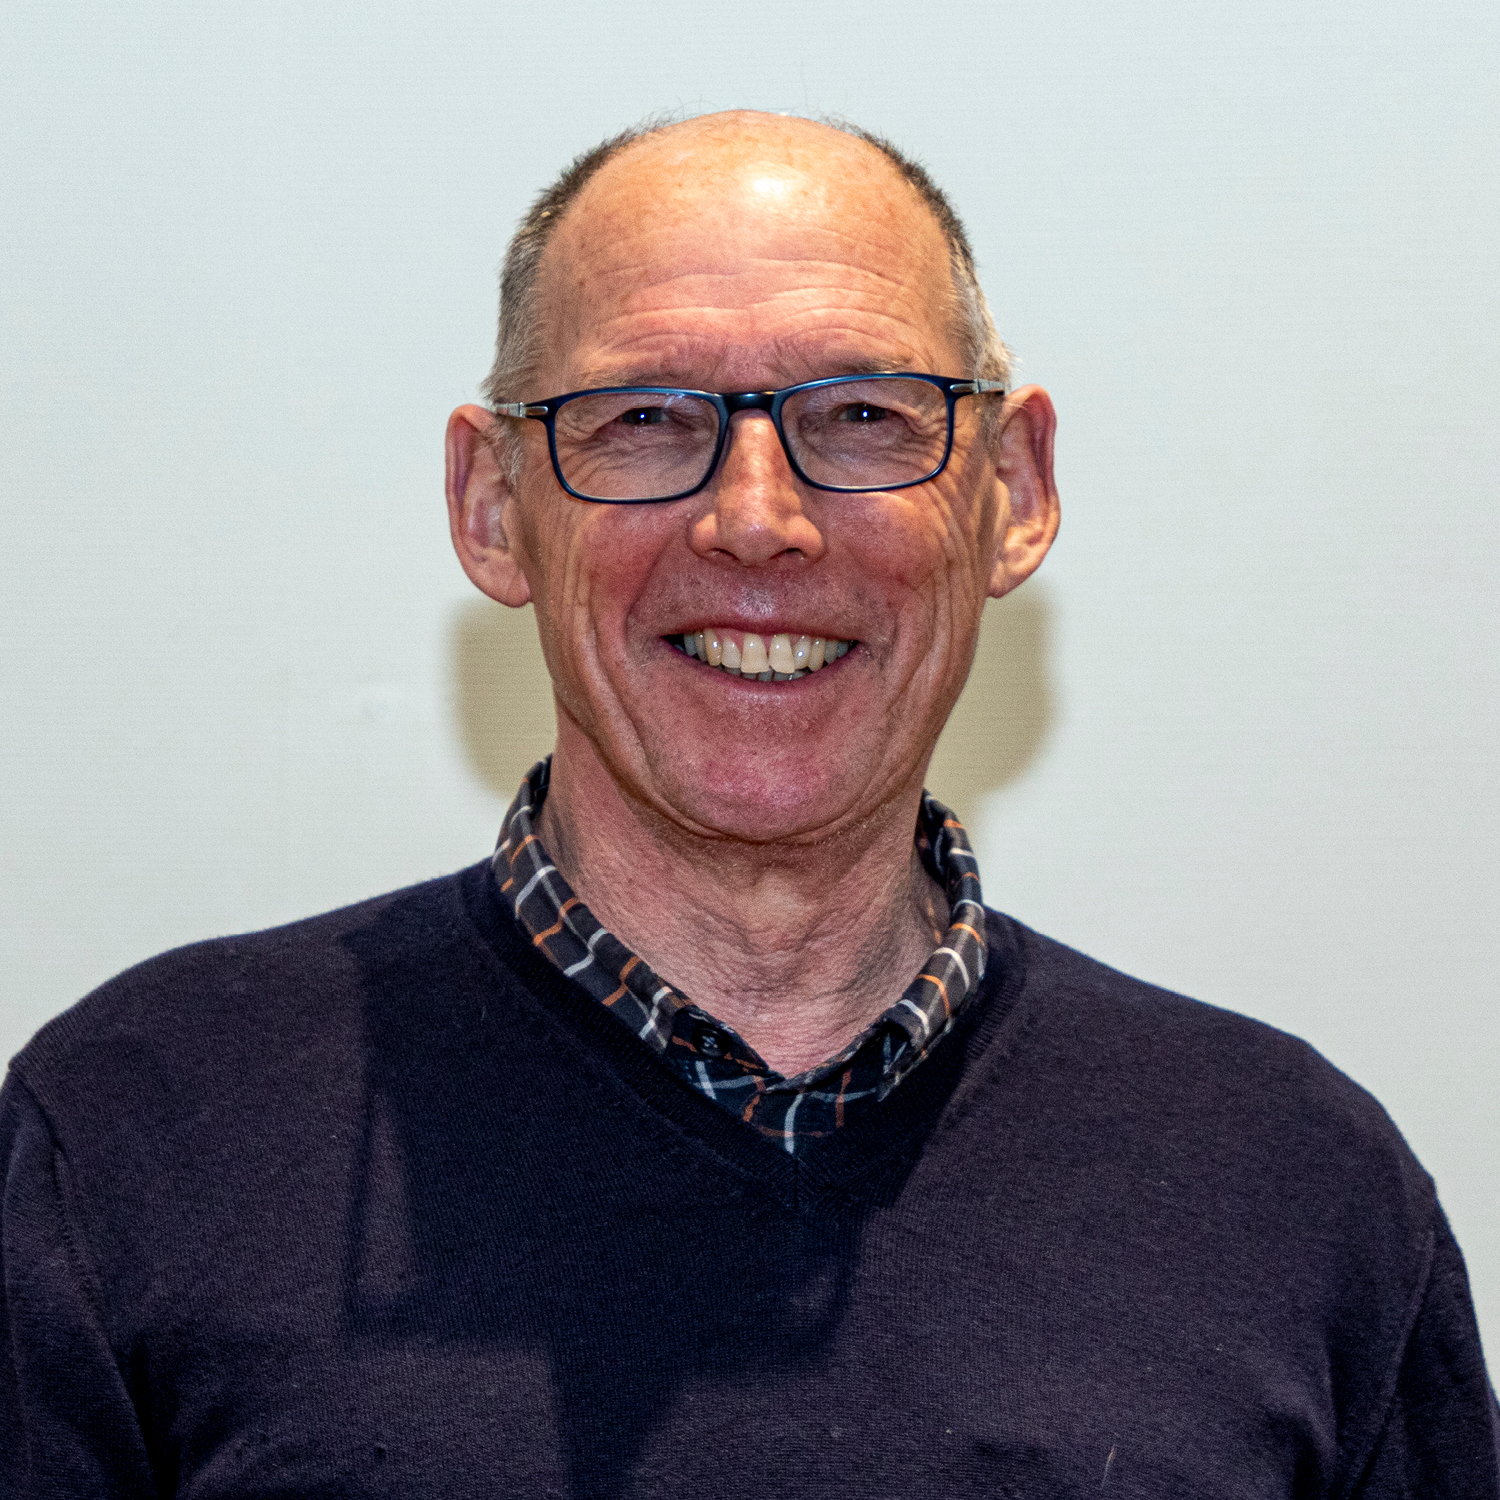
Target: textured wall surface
<point>1238,737</point>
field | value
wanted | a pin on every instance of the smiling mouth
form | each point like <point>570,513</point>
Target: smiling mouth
<point>783,658</point>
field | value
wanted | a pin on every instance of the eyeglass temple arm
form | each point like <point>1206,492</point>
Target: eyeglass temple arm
<point>978,387</point>
<point>522,409</point>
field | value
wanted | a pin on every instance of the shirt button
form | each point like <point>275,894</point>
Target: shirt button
<point>709,1042</point>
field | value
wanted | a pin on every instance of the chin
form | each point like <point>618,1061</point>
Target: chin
<point>756,799</point>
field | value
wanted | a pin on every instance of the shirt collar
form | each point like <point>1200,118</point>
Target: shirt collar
<point>563,928</point>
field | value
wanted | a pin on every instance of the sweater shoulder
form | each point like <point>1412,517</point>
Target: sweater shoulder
<point>1209,1082</point>
<point>241,1003</point>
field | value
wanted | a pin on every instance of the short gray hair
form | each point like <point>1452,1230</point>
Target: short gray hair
<point>517,343</point>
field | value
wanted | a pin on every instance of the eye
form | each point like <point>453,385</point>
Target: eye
<point>861,412</point>
<point>642,416</point>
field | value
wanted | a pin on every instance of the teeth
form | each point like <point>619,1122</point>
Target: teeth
<point>784,659</point>
<point>753,656</point>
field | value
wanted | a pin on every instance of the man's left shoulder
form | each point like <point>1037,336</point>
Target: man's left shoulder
<point>1185,1085</point>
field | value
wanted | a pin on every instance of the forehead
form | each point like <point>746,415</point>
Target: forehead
<point>746,254</point>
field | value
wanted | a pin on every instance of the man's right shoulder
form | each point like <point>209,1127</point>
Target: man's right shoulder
<point>250,1001</point>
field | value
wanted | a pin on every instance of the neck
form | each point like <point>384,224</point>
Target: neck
<point>797,947</point>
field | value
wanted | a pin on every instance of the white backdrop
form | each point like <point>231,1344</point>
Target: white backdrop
<point>1239,736</point>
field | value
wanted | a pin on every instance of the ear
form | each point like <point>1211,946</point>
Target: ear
<point>1029,518</point>
<point>481,507</point>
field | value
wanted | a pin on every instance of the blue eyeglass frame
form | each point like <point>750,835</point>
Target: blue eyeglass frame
<point>727,403</point>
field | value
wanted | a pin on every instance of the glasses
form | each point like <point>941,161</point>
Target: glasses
<point>852,434</point>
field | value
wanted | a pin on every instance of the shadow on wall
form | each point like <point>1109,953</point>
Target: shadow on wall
<point>503,699</point>
<point>999,726</point>
<point>502,696</point>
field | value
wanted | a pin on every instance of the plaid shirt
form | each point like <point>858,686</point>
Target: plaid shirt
<point>705,1052</point>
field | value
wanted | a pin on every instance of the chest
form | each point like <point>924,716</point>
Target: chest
<point>520,1340</point>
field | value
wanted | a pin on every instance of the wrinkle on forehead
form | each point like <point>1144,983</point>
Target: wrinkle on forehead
<point>719,235</point>
<point>707,345</point>
<point>647,287</point>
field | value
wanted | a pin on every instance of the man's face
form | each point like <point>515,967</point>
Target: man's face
<point>720,257</point>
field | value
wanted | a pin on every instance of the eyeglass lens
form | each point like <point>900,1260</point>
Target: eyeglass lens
<point>868,433</point>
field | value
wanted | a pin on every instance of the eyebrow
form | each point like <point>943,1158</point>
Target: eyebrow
<point>675,379</point>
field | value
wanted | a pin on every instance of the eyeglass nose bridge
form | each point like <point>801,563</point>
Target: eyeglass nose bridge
<point>766,401</point>
<point>749,401</point>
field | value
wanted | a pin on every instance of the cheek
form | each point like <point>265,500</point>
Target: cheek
<point>591,564</point>
<point>920,555</point>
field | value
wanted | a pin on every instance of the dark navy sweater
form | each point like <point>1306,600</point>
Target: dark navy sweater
<point>380,1204</point>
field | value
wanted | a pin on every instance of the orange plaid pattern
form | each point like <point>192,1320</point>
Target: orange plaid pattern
<point>710,1055</point>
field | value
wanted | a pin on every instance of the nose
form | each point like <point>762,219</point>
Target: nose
<point>755,510</point>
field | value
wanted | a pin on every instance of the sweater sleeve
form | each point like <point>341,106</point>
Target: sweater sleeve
<point>1441,1438</point>
<point>68,1428</point>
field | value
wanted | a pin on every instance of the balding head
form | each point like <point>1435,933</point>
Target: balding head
<point>673,172</point>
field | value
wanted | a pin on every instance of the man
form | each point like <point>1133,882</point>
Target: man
<point>713,1138</point>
